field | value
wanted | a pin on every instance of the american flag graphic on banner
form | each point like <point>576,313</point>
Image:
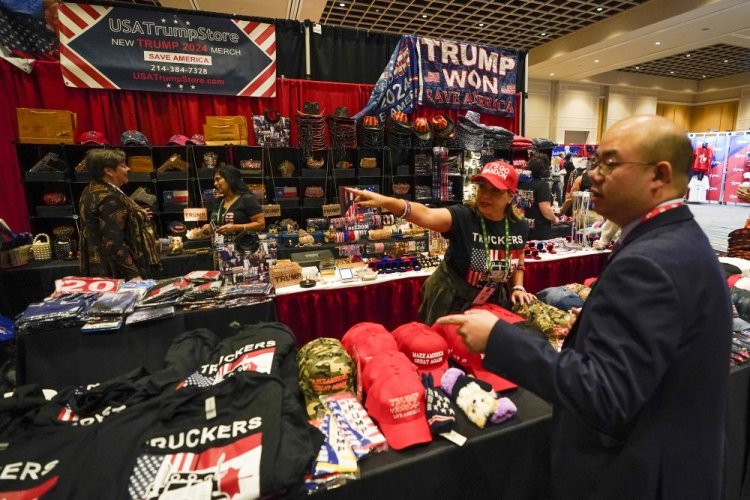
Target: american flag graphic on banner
<point>231,471</point>
<point>165,51</point>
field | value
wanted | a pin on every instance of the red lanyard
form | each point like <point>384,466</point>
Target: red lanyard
<point>660,210</point>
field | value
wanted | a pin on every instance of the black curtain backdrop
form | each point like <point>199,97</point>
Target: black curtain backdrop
<point>349,55</point>
<point>290,49</point>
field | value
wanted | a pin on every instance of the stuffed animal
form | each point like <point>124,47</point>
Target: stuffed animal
<point>476,398</point>
<point>175,245</point>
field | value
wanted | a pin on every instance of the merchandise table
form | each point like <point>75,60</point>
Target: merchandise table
<point>511,460</point>
<point>59,358</point>
<point>35,281</point>
<point>329,310</point>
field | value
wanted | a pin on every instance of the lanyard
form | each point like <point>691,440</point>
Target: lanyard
<point>660,210</point>
<point>487,244</point>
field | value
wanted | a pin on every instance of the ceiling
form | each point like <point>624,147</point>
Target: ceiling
<point>598,41</point>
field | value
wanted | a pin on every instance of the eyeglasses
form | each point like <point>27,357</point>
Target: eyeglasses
<point>606,167</point>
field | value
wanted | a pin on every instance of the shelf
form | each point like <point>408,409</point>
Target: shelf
<point>316,173</point>
<point>45,177</point>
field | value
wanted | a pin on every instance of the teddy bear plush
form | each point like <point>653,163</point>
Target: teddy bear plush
<point>476,398</point>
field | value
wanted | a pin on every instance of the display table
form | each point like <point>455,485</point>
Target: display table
<point>329,310</point>
<point>59,358</point>
<point>35,281</point>
<point>510,460</point>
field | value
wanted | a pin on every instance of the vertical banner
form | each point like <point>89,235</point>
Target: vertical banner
<point>462,75</point>
<point>738,163</point>
<point>128,48</point>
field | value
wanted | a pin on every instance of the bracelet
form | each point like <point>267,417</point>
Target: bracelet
<point>520,267</point>
<point>407,209</point>
<point>518,288</point>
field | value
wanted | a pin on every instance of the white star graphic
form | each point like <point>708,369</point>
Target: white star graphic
<point>169,85</point>
<point>163,20</point>
<point>187,22</point>
<point>192,87</point>
<point>175,20</point>
<point>180,85</point>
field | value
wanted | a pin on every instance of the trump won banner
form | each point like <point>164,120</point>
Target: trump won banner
<point>464,75</point>
<point>128,48</point>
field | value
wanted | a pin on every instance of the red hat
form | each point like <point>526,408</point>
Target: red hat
<point>197,139</point>
<point>472,362</point>
<point>384,364</point>
<point>426,349</point>
<point>178,139</point>
<point>397,404</point>
<point>369,343</point>
<point>500,174</point>
<point>409,329</point>
<point>350,337</point>
<point>93,137</point>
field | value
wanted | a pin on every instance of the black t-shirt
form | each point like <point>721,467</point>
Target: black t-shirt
<point>530,194</point>
<point>466,253</point>
<point>243,209</point>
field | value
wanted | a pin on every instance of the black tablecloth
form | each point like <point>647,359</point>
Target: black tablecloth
<point>35,281</point>
<point>510,460</point>
<point>60,358</point>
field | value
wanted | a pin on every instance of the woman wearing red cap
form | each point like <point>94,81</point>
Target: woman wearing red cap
<point>484,262</point>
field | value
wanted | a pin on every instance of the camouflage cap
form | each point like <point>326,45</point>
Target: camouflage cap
<point>324,368</point>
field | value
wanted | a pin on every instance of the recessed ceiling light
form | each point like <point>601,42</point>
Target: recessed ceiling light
<point>596,60</point>
<point>637,67</point>
<point>704,76</point>
<point>544,34</point>
<point>481,25</point>
<point>377,10</point>
<point>342,4</point>
<point>687,55</point>
<point>599,9</point>
<point>671,72</point>
<point>551,74</point>
<point>726,60</point>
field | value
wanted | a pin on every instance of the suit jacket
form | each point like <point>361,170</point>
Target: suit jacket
<point>639,389</point>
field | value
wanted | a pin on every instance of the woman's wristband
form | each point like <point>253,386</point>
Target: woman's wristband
<point>518,288</point>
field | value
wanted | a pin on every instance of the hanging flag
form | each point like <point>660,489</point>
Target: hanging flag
<point>396,88</point>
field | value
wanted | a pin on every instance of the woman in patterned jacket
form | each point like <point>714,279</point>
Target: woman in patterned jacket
<point>117,239</point>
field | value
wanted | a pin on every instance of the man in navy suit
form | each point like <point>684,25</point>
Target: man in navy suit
<point>639,388</point>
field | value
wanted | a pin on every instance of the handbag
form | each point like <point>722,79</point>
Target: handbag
<point>41,247</point>
<point>271,209</point>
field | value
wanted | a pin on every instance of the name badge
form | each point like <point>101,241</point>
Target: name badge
<point>485,293</point>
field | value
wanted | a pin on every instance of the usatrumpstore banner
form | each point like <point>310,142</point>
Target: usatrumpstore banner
<point>133,49</point>
<point>445,74</point>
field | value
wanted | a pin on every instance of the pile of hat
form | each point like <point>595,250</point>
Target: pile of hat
<point>520,142</point>
<point>542,144</point>
<point>311,129</point>
<point>342,130</point>
<point>371,132</point>
<point>182,140</point>
<point>422,133</point>
<point>470,131</point>
<point>443,131</point>
<point>496,137</point>
<point>399,131</point>
<point>739,243</point>
<point>391,381</point>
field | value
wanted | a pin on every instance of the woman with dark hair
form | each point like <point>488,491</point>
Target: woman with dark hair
<point>117,239</point>
<point>484,262</point>
<point>535,199</point>
<point>238,209</point>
